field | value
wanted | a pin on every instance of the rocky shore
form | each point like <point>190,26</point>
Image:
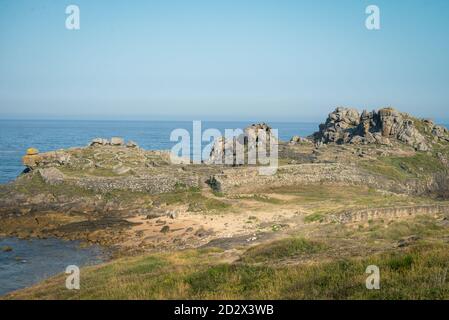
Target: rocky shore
<point>114,193</point>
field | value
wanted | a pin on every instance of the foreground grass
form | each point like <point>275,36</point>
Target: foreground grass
<point>414,273</point>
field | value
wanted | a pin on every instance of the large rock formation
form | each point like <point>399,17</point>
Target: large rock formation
<point>226,150</point>
<point>383,127</point>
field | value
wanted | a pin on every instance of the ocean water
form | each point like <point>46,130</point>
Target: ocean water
<point>18,135</point>
<point>31,261</point>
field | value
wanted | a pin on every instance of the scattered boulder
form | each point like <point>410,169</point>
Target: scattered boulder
<point>172,214</point>
<point>407,241</point>
<point>295,139</point>
<point>116,141</point>
<point>298,140</point>
<point>165,229</point>
<point>6,249</point>
<point>99,142</point>
<point>132,144</point>
<point>51,176</point>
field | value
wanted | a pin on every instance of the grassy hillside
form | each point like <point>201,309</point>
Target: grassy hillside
<point>414,273</point>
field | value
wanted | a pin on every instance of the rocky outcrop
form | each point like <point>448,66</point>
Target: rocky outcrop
<point>102,167</point>
<point>297,140</point>
<point>231,151</point>
<point>41,159</point>
<point>382,127</point>
<point>51,176</point>
<point>115,141</point>
<point>440,133</point>
<point>99,142</point>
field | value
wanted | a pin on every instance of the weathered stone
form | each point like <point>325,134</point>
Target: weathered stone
<point>298,140</point>
<point>295,139</point>
<point>47,158</point>
<point>99,142</point>
<point>31,161</point>
<point>116,141</point>
<point>131,144</point>
<point>173,214</point>
<point>346,126</point>
<point>51,176</point>
<point>440,133</point>
<point>231,151</point>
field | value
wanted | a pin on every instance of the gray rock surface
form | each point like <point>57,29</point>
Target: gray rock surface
<point>99,142</point>
<point>51,175</point>
<point>116,141</point>
<point>348,126</point>
<point>132,144</point>
<point>225,150</point>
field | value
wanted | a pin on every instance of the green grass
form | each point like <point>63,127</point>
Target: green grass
<point>422,226</point>
<point>281,249</point>
<point>415,273</point>
<point>262,198</point>
<point>314,217</point>
<point>193,197</point>
<point>402,168</point>
<point>33,185</point>
<point>320,200</point>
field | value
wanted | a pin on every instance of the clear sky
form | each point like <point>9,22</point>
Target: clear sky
<point>222,59</point>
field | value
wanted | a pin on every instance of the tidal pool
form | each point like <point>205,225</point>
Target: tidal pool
<point>26,262</point>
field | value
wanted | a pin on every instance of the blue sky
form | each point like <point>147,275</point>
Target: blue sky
<point>221,60</point>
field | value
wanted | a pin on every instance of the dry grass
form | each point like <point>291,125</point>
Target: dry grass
<point>415,273</point>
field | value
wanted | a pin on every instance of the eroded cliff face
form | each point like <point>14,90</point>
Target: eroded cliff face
<point>385,126</point>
